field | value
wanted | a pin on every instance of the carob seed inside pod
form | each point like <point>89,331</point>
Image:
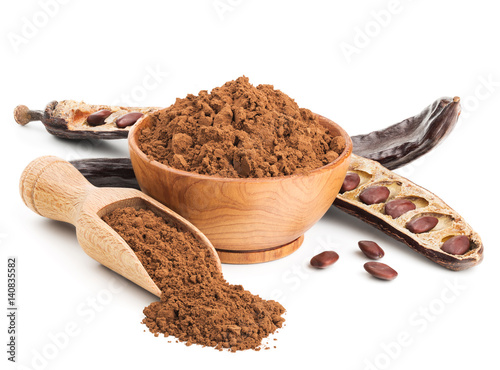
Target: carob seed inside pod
<point>351,182</point>
<point>422,224</point>
<point>128,119</point>
<point>98,118</point>
<point>458,245</point>
<point>374,195</point>
<point>398,207</point>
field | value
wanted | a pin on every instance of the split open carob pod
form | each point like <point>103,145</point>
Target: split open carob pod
<point>69,119</point>
<point>425,227</point>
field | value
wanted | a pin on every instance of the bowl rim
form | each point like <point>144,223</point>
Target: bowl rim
<point>133,138</point>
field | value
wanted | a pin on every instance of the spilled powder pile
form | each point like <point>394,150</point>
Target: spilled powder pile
<point>197,305</point>
<point>239,130</point>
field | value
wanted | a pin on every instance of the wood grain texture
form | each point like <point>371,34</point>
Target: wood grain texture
<point>243,214</point>
<point>55,189</point>
<point>259,256</point>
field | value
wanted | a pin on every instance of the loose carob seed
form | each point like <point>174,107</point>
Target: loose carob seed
<point>324,259</point>
<point>197,304</point>
<point>238,130</point>
<point>371,249</point>
<point>380,270</point>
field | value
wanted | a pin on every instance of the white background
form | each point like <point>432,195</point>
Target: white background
<point>415,52</point>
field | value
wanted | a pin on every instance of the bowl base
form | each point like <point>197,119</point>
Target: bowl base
<point>262,255</point>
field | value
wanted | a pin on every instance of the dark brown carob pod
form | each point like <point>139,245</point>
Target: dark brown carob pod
<point>393,146</point>
<point>440,117</point>
<point>67,119</point>
<point>119,173</point>
<point>427,205</point>
<point>108,172</point>
<point>411,138</point>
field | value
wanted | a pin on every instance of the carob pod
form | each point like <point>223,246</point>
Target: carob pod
<point>393,146</point>
<point>436,221</point>
<point>108,172</point>
<point>430,127</point>
<point>408,140</point>
<point>67,119</point>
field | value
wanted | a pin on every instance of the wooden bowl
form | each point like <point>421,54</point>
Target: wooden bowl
<point>247,220</point>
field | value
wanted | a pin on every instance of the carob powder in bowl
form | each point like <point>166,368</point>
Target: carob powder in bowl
<point>238,130</point>
<point>197,304</point>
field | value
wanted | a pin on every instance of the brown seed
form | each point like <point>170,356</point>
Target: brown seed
<point>351,182</point>
<point>371,249</point>
<point>422,224</point>
<point>128,119</point>
<point>380,270</point>
<point>324,259</point>
<point>398,207</point>
<point>98,118</point>
<point>456,245</point>
<point>374,194</point>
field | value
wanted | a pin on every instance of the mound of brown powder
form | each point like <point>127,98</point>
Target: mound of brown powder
<point>197,305</point>
<point>239,130</point>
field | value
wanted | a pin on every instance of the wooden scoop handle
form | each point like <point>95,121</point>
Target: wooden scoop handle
<point>53,188</point>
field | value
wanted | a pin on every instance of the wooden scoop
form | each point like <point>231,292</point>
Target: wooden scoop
<point>55,189</point>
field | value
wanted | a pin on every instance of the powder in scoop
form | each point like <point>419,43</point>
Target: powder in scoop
<point>238,130</point>
<point>197,304</point>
